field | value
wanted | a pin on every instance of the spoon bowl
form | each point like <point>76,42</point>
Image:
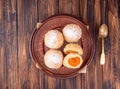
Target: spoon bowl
<point>103,31</point>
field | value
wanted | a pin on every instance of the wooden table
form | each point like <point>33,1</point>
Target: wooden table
<point>17,21</point>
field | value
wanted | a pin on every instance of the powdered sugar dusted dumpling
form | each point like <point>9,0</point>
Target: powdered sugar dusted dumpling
<point>73,60</point>
<point>53,59</point>
<point>53,39</point>
<point>73,48</point>
<point>72,32</point>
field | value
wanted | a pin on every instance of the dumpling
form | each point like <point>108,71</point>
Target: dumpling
<point>73,60</point>
<point>72,32</point>
<point>73,48</point>
<point>54,39</point>
<point>53,59</point>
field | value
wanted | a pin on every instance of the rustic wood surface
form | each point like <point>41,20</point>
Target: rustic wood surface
<point>17,21</point>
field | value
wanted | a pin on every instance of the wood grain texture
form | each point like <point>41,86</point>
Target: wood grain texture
<point>27,18</point>
<point>2,50</point>
<point>47,8</point>
<point>17,21</point>
<point>70,7</point>
<point>88,79</point>
<point>97,21</point>
<point>111,74</point>
<point>8,45</point>
<point>83,11</point>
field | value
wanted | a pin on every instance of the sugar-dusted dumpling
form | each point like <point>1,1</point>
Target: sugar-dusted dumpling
<point>73,48</point>
<point>53,39</point>
<point>72,32</point>
<point>53,59</point>
<point>73,60</point>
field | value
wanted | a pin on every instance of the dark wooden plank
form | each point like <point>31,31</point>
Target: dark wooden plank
<point>78,83</point>
<point>87,12</point>
<point>2,49</point>
<point>97,12</point>
<point>27,19</point>
<point>111,74</point>
<point>70,83</point>
<point>117,62</point>
<point>71,7</point>
<point>90,14</point>
<point>118,8</point>
<point>98,68</point>
<point>67,8</point>
<point>2,63</point>
<point>47,8</point>
<point>83,17</point>
<point>83,11</point>
<point>8,45</point>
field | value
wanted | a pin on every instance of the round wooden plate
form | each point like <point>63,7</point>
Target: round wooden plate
<point>38,48</point>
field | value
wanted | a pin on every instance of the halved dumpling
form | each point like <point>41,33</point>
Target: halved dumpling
<point>73,48</point>
<point>73,60</point>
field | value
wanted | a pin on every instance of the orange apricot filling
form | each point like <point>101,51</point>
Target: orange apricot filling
<point>70,51</point>
<point>74,61</point>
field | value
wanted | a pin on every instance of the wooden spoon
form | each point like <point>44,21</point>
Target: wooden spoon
<point>103,32</point>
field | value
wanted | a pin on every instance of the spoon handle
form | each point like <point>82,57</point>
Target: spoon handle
<point>102,57</point>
